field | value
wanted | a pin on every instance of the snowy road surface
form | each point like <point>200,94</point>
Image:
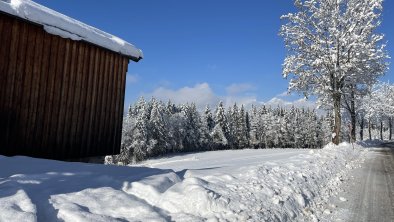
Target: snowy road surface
<point>240,185</point>
<point>369,196</point>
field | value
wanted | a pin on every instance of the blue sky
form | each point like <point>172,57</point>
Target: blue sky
<point>201,51</point>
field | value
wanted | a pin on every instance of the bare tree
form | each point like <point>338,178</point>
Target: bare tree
<point>332,46</point>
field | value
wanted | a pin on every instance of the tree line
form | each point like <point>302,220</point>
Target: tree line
<point>154,128</point>
<point>374,112</point>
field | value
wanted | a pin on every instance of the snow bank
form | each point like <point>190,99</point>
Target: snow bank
<point>294,189</point>
<point>66,27</point>
<point>16,207</point>
<point>103,204</point>
<point>292,186</point>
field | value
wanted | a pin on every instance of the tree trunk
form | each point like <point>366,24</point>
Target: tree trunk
<point>390,128</point>
<point>381,130</point>
<point>337,118</point>
<point>362,129</point>
<point>353,116</point>
<point>369,129</point>
<point>353,122</point>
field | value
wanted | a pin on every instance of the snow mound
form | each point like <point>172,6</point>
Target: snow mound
<point>102,204</point>
<point>58,24</point>
<point>291,190</point>
<point>16,207</point>
<point>293,185</point>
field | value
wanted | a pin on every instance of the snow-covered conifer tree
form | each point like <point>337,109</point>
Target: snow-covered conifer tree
<point>158,137</point>
<point>138,149</point>
<point>219,140</point>
<point>221,122</point>
<point>232,123</point>
<point>193,137</point>
<point>207,126</point>
<point>176,129</point>
<point>254,125</point>
<point>208,118</point>
<point>248,127</point>
<point>134,135</point>
<point>242,132</point>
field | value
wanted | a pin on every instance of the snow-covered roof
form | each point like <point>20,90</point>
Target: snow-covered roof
<point>58,24</point>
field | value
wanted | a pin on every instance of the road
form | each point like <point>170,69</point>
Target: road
<point>369,195</point>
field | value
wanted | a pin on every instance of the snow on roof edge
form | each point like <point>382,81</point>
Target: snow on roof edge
<point>58,24</point>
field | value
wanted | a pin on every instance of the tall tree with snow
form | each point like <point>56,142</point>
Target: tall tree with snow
<point>332,45</point>
<point>220,118</point>
<point>208,118</point>
<point>194,137</point>
<point>242,129</point>
<point>232,123</point>
<point>254,127</point>
<point>220,133</point>
<point>158,137</point>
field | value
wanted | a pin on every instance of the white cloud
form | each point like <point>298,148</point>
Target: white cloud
<point>132,78</point>
<point>201,94</point>
<point>238,88</point>
<point>300,103</point>
<point>283,94</point>
<point>247,101</point>
<point>287,100</point>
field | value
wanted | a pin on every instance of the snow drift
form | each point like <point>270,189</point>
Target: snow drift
<point>293,185</point>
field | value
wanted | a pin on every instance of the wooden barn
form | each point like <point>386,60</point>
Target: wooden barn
<point>62,84</point>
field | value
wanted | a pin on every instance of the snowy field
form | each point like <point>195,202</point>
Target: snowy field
<point>242,185</point>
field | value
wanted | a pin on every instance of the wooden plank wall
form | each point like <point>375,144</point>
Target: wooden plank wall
<point>59,98</point>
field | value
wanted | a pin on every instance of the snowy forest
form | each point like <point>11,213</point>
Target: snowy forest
<point>155,128</point>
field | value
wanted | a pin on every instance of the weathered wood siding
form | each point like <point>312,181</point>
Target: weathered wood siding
<point>59,98</point>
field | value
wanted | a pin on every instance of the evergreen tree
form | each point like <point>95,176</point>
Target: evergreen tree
<point>208,119</point>
<point>139,145</point>
<point>157,130</point>
<point>242,132</point>
<point>254,128</point>
<point>220,132</point>
<point>233,126</point>
<point>248,128</point>
<point>193,137</point>
<point>207,126</point>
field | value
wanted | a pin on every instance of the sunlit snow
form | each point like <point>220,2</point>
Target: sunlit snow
<point>234,185</point>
